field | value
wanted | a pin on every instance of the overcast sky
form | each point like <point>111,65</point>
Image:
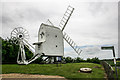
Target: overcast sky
<point>92,24</point>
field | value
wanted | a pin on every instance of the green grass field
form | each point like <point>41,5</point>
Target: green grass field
<point>112,63</point>
<point>69,70</point>
<point>118,73</point>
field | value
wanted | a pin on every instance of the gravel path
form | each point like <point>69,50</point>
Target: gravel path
<point>16,75</point>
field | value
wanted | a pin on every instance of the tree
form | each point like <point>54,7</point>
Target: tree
<point>10,52</point>
<point>68,60</point>
<point>78,59</point>
<point>93,60</point>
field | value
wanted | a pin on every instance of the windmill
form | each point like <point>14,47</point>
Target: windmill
<point>50,40</point>
<point>64,35</point>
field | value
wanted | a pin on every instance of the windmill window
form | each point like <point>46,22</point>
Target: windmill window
<point>42,34</point>
<point>56,46</point>
<point>38,47</point>
<point>55,35</point>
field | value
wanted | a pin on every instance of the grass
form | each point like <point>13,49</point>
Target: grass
<point>69,70</point>
<point>118,73</point>
<point>111,62</point>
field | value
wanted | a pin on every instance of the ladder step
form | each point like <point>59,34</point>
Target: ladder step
<point>64,18</point>
<point>77,49</point>
<point>70,7</point>
<point>70,41</point>
<point>60,26</point>
<point>66,15</point>
<point>66,37</point>
<point>69,10</point>
<point>63,21</point>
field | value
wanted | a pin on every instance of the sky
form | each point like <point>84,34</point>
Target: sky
<point>92,24</point>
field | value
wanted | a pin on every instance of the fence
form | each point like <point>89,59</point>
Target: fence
<point>109,70</point>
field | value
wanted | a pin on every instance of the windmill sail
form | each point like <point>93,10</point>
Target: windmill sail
<point>72,43</point>
<point>66,17</point>
<point>62,25</point>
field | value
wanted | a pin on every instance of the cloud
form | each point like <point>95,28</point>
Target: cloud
<point>6,19</point>
<point>91,51</point>
<point>21,12</point>
<point>94,27</point>
<point>92,23</point>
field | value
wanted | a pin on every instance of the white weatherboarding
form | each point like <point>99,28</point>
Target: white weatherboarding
<point>50,40</point>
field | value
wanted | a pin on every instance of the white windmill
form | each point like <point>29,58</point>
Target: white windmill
<point>50,40</point>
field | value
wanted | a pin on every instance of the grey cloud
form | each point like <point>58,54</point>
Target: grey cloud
<point>119,29</point>
<point>6,19</point>
<point>95,7</point>
<point>20,13</point>
<point>100,8</point>
<point>91,50</point>
<point>98,22</point>
<point>31,14</point>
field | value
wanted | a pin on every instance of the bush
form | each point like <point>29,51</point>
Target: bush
<point>93,60</point>
<point>78,59</point>
<point>88,60</point>
<point>68,60</point>
<point>10,52</point>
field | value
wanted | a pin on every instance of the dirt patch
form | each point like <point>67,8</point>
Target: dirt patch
<point>16,75</point>
<point>96,67</point>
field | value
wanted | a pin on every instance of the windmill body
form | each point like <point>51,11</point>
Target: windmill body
<point>50,41</point>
